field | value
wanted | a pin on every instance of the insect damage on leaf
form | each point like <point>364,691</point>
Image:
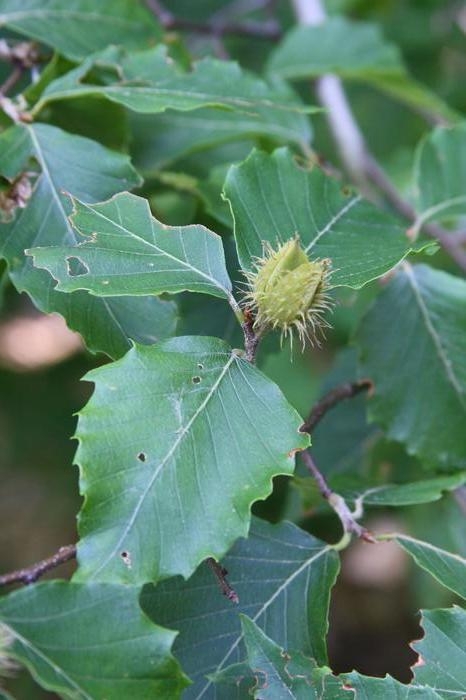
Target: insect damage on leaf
<point>287,291</point>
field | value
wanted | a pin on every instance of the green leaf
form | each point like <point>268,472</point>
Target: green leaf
<point>440,173</point>
<point>283,674</point>
<point>369,688</point>
<point>425,491</point>
<point>412,347</point>
<point>354,51</point>
<point>5,696</point>
<point>283,578</point>
<point>239,680</point>
<point>82,167</point>
<point>164,138</point>
<point>442,652</point>
<point>448,568</point>
<point>366,494</point>
<point>126,251</point>
<point>80,27</point>
<point>91,641</point>
<point>273,199</point>
<point>149,82</point>
<point>193,436</point>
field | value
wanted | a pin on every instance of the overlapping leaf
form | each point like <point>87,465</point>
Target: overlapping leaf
<point>283,674</point>
<point>149,82</point>
<point>353,50</point>
<point>440,174</point>
<point>91,641</point>
<point>420,383</point>
<point>448,568</point>
<point>395,495</point>
<point>442,652</point>
<point>273,199</point>
<point>283,578</point>
<point>412,493</point>
<point>369,688</point>
<point>193,436</point>
<point>164,138</point>
<point>77,28</point>
<point>127,252</point>
<point>82,167</point>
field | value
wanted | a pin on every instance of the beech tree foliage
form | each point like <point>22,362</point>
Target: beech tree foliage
<point>153,158</point>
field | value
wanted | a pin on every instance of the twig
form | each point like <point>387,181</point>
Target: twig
<point>449,242</point>
<point>251,338</point>
<point>221,574</point>
<point>347,518</point>
<point>357,158</point>
<point>15,75</point>
<point>164,16</point>
<point>340,393</point>
<point>32,573</point>
<point>21,56</point>
<point>268,30</point>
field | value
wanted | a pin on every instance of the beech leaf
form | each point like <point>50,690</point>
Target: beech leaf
<point>273,199</point>
<point>127,252</point>
<point>89,641</point>
<point>283,577</point>
<point>162,492</point>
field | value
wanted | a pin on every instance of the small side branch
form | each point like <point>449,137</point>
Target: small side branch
<point>335,501</point>
<point>268,30</point>
<point>340,393</point>
<point>220,574</point>
<point>34,572</point>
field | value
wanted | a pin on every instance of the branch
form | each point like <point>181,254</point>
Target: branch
<point>358,160</point>
<point>449,242</point>
<point>347,518</point>
<point>220,573</point>
<point>340,393</point>
<point>268,30</point>
<point>32,573</point>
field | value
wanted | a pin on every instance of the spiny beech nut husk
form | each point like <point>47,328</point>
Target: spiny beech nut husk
<point>288,292</point>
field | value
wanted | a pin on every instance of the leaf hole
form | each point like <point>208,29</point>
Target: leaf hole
<point>196,380</point>
<point>76,267</point>
<point>142,456</point>
<point>126,556</point>
<point>200,365</point>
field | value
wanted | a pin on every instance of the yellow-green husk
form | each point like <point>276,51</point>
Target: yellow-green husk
<point>288,292</point>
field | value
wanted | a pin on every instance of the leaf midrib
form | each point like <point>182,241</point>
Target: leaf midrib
<point>211,280</point>
<point>56,669</point>
<point>435,337</point>
<point>306,564</point>
<point>180,436</point>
